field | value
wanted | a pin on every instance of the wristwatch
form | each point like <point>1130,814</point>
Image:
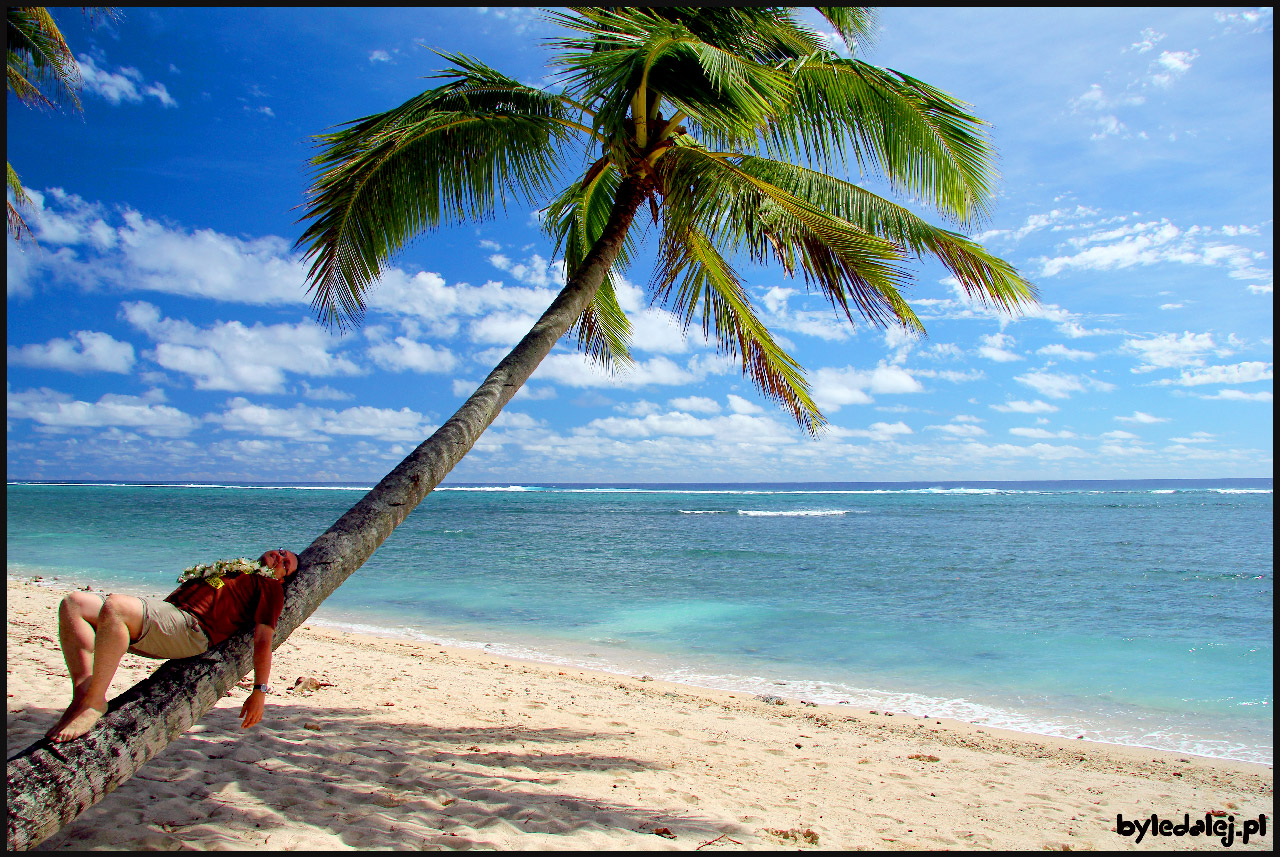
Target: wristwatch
<point>265,688</point>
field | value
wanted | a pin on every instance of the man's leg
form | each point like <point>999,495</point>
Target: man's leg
<point>95,635</point>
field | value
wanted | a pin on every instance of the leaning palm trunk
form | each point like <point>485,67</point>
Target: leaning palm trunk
<point>50,784</point>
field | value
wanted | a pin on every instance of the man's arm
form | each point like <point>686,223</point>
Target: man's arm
<point>251,711</point>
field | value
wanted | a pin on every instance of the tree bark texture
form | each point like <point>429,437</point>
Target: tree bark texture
<point>50,784</point>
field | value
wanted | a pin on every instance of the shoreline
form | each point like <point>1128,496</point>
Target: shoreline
<point>786,689</point>
<point>442,742</point>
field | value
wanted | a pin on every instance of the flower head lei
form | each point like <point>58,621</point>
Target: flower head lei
<point>224,567</point>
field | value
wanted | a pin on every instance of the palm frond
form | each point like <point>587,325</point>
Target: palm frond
<point>854,268</point>
<point>855,24</point>
<point>920,139</point>
<point>452,154</point>
<point>16,225</point>
<point>38,59</point>
<point>632,52</point>
<point>575,220</point>
<point>984,276</point>
<point>711,288</point>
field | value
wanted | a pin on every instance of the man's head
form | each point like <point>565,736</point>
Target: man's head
<point>282,562</point>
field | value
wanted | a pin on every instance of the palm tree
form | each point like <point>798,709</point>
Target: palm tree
<point>726,123</point>
<point>42,73</point>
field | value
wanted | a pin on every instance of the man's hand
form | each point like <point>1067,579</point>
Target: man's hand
<point>251,711</point>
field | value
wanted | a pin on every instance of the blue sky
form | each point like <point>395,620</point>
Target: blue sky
<point>161,330</point>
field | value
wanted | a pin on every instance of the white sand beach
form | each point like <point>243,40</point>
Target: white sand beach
<point>411,745</point>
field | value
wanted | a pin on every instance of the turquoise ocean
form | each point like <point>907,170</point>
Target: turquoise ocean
<point>1130,612</point>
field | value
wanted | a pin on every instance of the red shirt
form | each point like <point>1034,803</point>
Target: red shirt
<point>243,599</point>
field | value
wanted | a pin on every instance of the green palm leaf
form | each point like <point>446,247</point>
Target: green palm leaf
<point>576,219</point>
<point>855,24</point>
<point>710,286</point>
<point>985,277</point>
<point>854,268</point>
<point>920,139</point>
<point>453,154</point>
<point>38,59</point>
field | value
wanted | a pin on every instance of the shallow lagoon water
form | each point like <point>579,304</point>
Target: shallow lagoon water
<point>1133,612</point>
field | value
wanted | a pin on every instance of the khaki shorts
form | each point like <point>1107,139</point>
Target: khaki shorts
<point>167,632</point>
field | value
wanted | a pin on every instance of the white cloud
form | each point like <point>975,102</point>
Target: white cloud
<point>121,85</point>
<point>1040,434</point>
<point>1149,39</point>
<point>1196,437</point>
<point>775,300</point>
<point>1065,353</point>
<point>1171,350</point>
<point>881,431</point>
<point>1057,386</point>
<point>534,271</point>
<point>741,428</point>
<point>324,393</point>
<point>59,411</point>
<point>693,404</point>
<point>90,352</point>
<point>823,323</point>
<point>1249,21</point>
<point>231,356</point>
<point>1075,330</point>
<point>1171,65</point>
<point>379,56</point>
<point>1154,243</point>
<point>1144,418</point>
<point>653,425</point>
<point>739,405</point>
<point>954,376</point>
<point>995,347</point>
<point>62,218</point>
<point>1238,373</point>
<point>425,296</point>
<point>1240,396</point>
<point>143,254</point>
<point>575,370</point>
<point>1023,407</point>
<point>1098,100</point>
<point>960,429</point>
<point>501,328</point>
<point>519,19</point>
<point>643,407</point>
<point>404,354</point>
<point>833,388</point>
<point>158,91</point>
<point>305,423</point>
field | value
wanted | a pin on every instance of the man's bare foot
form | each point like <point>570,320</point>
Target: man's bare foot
<point>76,721</point>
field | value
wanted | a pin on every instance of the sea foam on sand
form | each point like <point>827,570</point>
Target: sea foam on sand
<point>414,745</point>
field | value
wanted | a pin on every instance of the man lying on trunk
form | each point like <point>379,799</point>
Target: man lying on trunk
<point>213,603</point>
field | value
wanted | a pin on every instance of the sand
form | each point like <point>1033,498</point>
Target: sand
<point>414,745</point>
